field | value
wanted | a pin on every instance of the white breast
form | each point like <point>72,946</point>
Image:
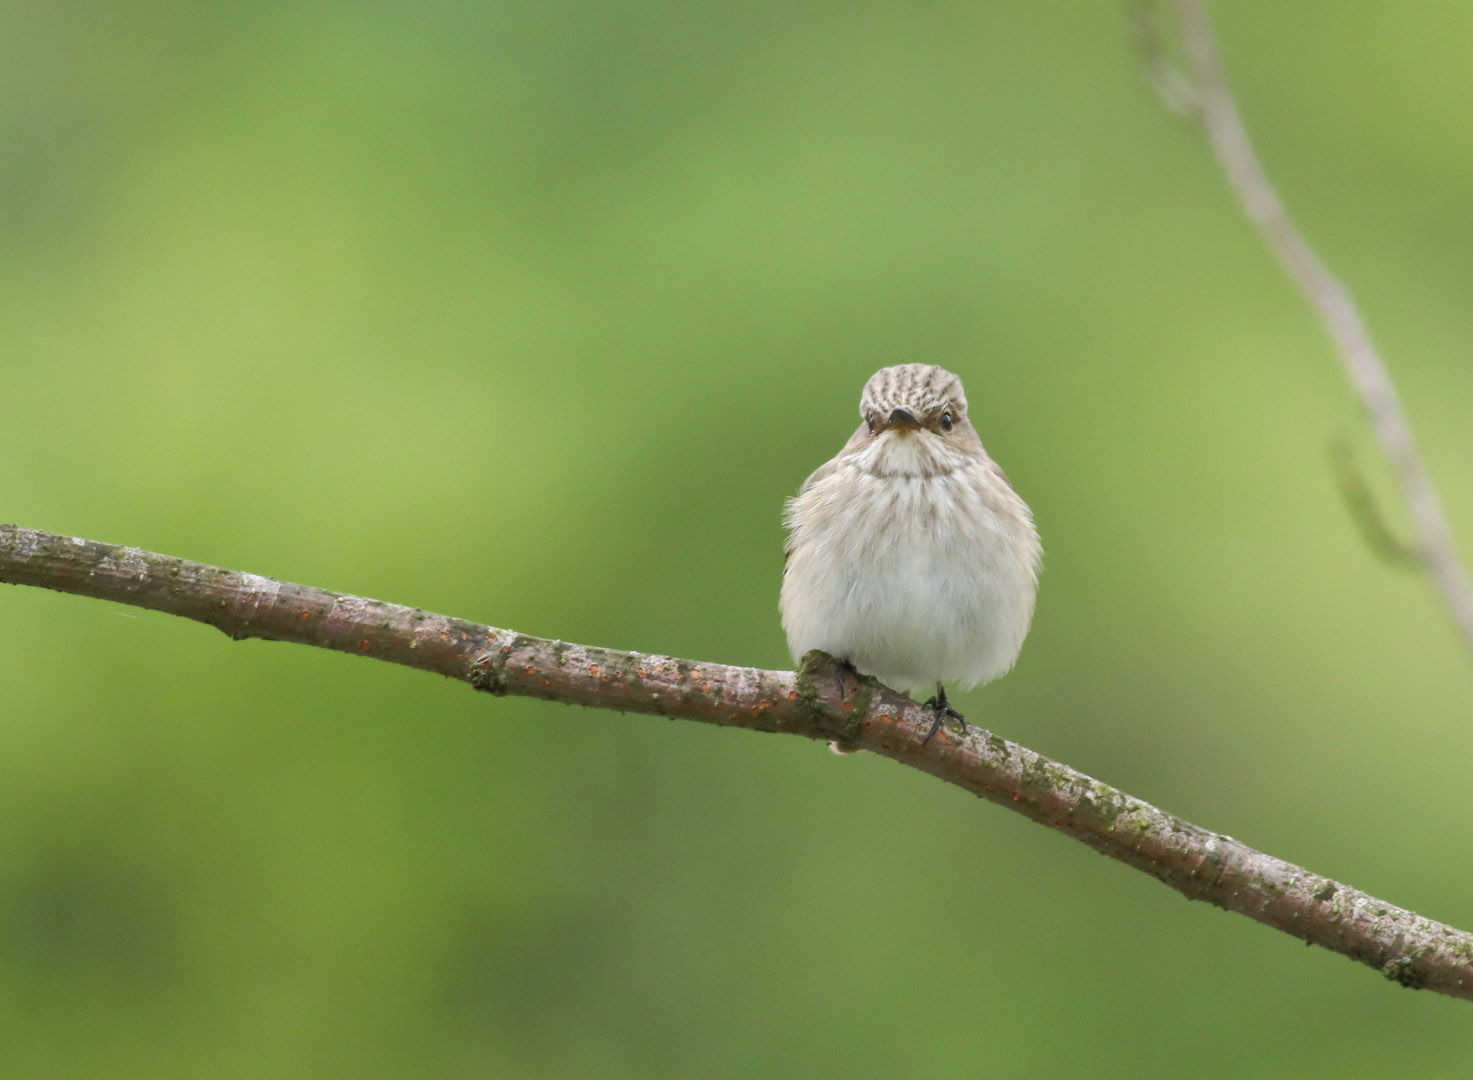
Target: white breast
<point>913,579</point>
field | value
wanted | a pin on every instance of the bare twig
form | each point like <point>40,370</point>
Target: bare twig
<point>1365,511</point>
<point>1203,91</point>
<point>823,700</point>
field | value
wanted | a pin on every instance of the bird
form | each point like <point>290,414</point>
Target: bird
<point>909,556</point>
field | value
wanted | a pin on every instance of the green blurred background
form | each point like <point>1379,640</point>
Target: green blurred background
<point>533,313</point>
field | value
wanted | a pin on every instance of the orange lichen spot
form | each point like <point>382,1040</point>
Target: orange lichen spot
<point>642,673</point>
<point>603,678</point>
<point>593,669</point>
<point>529,670</point>
<point>792,695</point>
<point>464,636</point>
<point>490,637</point>
<point>546,682</point>
<point>505,650</point>
<point>705,687</point>
<point>848,706</point>
<point>305,615</point>
<point>695,673</point>
<point>444,635</point>
<point>362,644</point>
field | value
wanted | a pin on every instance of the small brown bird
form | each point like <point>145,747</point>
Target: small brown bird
<point>909,555</point>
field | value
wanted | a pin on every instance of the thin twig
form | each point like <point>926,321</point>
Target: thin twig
<point>822,700</point>
<point>1204,90</point>
<point>1365,511</point>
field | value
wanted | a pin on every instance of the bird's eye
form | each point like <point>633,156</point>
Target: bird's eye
<point>946,421</point>
<point>870,421</point>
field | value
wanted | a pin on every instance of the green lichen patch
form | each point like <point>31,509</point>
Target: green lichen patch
<point>810,697</point>
<point>1403,970</point>
<point>863,694</point>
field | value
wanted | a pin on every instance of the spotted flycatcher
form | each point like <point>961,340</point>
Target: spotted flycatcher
<point>910,557</point>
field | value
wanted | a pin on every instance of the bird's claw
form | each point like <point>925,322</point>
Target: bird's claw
<point>940,710</point>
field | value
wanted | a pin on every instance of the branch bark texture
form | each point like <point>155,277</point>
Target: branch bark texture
<point>1203,91</point>
<point>822,700</point>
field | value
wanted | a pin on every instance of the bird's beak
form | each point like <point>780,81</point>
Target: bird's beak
<point>902,418</point>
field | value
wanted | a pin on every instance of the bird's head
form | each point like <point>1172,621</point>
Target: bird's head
<point>915,416</point>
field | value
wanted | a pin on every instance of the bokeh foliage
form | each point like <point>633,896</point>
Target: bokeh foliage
<point>533,313</point>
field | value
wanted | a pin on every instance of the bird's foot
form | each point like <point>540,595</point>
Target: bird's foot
<point>940,710</point>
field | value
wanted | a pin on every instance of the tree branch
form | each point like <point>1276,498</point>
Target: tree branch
<point>1365,511</point>
<point>1203,92</point>
<point>823,700</point>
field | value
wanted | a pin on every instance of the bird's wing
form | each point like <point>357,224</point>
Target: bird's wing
<point>821,473</point>
<point>829,467</point>
<point>824,471</point>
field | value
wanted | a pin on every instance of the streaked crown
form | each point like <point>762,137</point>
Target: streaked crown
<point>921,389</point>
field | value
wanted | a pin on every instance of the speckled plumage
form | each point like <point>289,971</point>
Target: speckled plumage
<point>909,555</point>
